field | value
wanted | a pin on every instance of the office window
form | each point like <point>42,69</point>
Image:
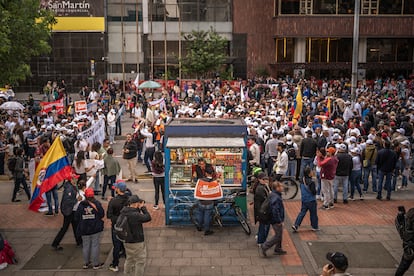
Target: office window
<point>408,7</point>
<point>390,6</point>
<point>328,50</point>
<point>284,49</point>
<point>346,6</point>
<point>324,7</point>
<point>289,7</point>
<point>390,50</point>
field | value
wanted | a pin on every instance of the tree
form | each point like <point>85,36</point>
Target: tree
<point>25,31</point>
<point>206,53</point>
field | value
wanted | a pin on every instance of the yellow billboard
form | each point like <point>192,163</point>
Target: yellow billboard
<point>76,15</point>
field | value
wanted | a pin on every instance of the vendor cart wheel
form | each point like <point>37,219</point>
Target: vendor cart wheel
<point>243,221</point>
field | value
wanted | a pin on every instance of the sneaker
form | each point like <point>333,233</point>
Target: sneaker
<point>316,229</point>
<point>49,214</point>
<point>207,233</point>
<point>113,268</point>
<point>99,266</point>
<point>361,197</point>
<point>318,197</point>
<point>325,207</point>
<point>262,251</point>
<point>57,248</point>
<point>294,228</point>
<point>345,201</point>
<point>279,252</point>
<point>351,198</point>
<point>399,187</point>
<point>155,207</point>
<point>86,266</point>
<point>256,237</point>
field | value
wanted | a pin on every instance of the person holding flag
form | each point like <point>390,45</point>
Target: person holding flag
<point>53,168</point>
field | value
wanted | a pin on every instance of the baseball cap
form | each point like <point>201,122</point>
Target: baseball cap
<point>262,175</point>
<point>134,199</point>
<point>342,147</point>
<point>331,150</point>
<point>401,130</point>
<point>370,142</point>
<point>89,192</point>
<point>121,185</point>
<point>338,259</point>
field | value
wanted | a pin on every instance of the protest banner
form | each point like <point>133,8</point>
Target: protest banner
<point>96,133</point>
<point>49,106</point>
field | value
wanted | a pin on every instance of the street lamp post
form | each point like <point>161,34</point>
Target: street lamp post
<point>355,52</point>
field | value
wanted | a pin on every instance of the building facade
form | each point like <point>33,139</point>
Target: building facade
<point>117,39</point>
<point>315,37</point>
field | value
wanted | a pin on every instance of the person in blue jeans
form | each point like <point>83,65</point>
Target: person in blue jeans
<point>386,161</point>
<point>52,192</point>
<point>261,192</point>
<point>308,192</point>
<point>356,173</point>
<point>205,207</point>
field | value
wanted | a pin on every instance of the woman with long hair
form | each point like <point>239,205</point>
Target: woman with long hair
<point>158,174</point>
<point>79,164</point>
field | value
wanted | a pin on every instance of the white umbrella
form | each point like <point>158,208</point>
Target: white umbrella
<point>12,106</point>
<point>149,84</point>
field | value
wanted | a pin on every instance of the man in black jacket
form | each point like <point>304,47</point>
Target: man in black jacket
<point>136,251</point>
<point>307,152</point>
<point>343,171</point>
<point>114,209</point>
<point>130,153</point>
<point>67,207</point>
<point>386,161</point>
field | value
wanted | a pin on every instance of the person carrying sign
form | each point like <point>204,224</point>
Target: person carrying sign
<point>207,190</point>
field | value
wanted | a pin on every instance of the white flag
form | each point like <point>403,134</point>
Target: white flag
<point>136,81</point>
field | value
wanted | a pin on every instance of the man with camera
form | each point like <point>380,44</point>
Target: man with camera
<point>338,265</point>
<point>404,222</point>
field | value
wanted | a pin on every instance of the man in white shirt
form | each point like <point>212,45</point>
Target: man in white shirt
<point>281,165</point>
<point>149,147</point>
<point>111,121</point>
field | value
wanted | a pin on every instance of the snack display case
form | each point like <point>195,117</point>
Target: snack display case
<point>221,143</point>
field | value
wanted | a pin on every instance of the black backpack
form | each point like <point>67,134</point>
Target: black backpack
<point>291,152</point>
<point>122,228</point>
<point>265,212</point>
<point>11,164</point>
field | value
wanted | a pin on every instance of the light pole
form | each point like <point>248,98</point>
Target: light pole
<point>355,52</point>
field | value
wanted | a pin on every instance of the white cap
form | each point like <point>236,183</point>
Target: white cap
<point>353,139</point>
<point>401,130</point>
<point>369,142</point>
<point>100,110</point>
<point>113,110</point>
<point>342,147</point>
<point>289,137</point>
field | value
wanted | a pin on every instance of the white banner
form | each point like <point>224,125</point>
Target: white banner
<point>96,133</point>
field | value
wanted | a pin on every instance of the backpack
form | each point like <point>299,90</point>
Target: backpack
<point>122,228</point>
<point>265,211</point>
<point>291,152</point>
<point>11,164</point>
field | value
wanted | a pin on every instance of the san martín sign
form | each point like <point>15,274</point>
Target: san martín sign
<point>86,15</point>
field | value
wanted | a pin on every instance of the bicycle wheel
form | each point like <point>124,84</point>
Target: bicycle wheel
<point>242,219</point>
<point>194,214</point>
<point>216,218</point>
<point>291,188</point>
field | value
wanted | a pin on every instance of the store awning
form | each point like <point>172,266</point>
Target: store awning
<point>208,142</point>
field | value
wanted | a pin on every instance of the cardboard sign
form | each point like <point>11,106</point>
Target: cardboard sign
<point>81,106</point>
<point>205,190</point>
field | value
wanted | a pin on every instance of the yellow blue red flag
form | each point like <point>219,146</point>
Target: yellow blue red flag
<point>52,169</point>
<point>298,104</point>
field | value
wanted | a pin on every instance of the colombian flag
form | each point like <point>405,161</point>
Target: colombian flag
<point>298,105</point>
<point>52,169</point>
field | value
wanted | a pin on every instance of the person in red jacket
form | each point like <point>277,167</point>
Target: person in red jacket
<point>328,163</point>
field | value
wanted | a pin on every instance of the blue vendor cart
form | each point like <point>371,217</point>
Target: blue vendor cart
<point>221,143</point>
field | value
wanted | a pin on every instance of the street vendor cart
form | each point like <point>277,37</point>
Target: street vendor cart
<point>219,143</point>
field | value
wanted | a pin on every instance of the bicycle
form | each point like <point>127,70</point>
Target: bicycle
<point>229,205</point>
<point>291,187</point>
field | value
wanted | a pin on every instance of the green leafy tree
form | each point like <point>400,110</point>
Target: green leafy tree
<point>206,53</point>
<point>25,32</point>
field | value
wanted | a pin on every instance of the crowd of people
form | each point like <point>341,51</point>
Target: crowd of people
<point>296,128</point>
